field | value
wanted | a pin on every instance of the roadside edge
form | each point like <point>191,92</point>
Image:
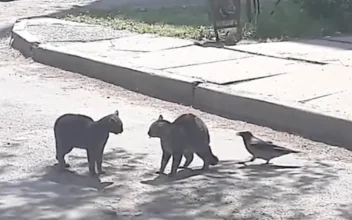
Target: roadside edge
<point>186,91</point>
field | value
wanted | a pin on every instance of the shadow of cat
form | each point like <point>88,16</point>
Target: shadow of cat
<point>69,177</point>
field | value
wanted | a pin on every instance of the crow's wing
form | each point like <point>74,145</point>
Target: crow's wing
<point>283,149</point>
<point>268,146</point>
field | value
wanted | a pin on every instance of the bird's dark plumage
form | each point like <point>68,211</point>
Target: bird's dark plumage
<point>262,149</point>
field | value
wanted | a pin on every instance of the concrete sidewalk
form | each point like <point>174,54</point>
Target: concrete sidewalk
<point>300,87</point>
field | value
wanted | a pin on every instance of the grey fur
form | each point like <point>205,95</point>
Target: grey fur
<point>81,131</point>
<point>187,135</point>
<point>262,149</point>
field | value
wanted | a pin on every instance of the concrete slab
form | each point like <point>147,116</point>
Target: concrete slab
<point>100,49</point>
<point>301,86</point>
<point>116,70</point>
<point>55,30</point>
<point>240,69</point>
<point>137,58</point>
<point>148,42</point>
<point>313,50</point>
<point>187,56</point>
<point>338,105</point>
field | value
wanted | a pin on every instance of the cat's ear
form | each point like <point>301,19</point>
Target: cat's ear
<point>161,117</point>
<point>117,112</point>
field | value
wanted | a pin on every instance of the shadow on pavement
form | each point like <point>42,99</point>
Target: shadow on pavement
<point>69,177</point>
<point>60,192</point>
<point>220,171</point>
<point>37,199</point>
<point>180,175</point>
<point>226,191</point>
<point>128,162</point>
<point>267,167</point>
<point>345,211</point>
<point>245,192</point>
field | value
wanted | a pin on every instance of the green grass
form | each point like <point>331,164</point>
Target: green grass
<point>288,21</point>
<point>173,22</point>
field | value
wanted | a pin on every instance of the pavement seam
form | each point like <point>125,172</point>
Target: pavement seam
<point>250,79</point>
<point>199,81</point>
<point>283,58</point>
<point>267,55</point>
<point>178,47</point>
<point>196,64</point>
<point>81,41</point>
<point>194,84</point>
<point>321,96</point>
<point>338,41</point>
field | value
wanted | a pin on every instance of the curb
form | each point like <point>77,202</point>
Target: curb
<point>183,90</point>
<point>169,88</point>
<point>286,118</point>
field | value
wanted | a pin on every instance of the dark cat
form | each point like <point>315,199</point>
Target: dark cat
<point>187,135</point>
<point>81,131</point>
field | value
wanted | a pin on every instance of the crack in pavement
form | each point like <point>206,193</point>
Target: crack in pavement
<point>321,96</point>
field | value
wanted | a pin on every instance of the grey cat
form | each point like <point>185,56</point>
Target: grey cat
<point>187,135</point>
<point>81,131</point>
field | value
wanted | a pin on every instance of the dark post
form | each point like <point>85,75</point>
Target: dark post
<point>225,14</point>
<point>249,10</point>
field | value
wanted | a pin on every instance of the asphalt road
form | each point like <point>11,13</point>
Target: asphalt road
<point>315,184</point>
